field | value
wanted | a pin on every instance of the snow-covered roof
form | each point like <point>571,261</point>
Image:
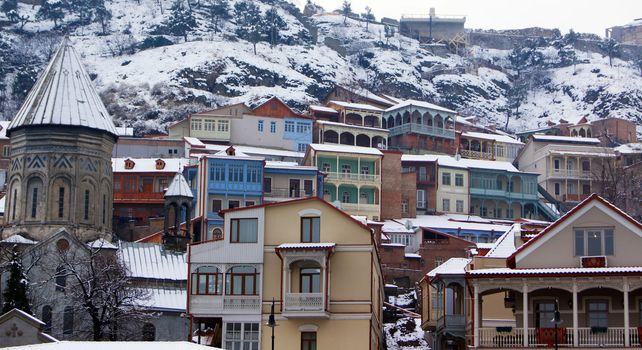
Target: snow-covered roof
<point>391,226</point>
<point>607,153</point>
<point>64,95</point>
<point>352,126</point>
<point>352,105</point>
<point>324,147</point>
<point>420,104</point>
<point>152,261</point>
<point>505,244</point>
<point>249,150</point>
<point>272,164</point>
<point>413,256</point>
<point>17,239</point>
<point>165,298</point>
<point>306,246</point>
<point>483,245</point>
<point>455,221</point>
<point>179,187</point>
<point>101,243</point>
<point>558,270</point>
<point>452,162</point>
<point>630,148</point>
<point>494,137</point>
<point>323,109</point>
<point>148,165</point>
<point>4,124</point>
<point>369,95</point>
<point>115,345</point>
<point>565,139</point>
<point>392,98</point>
<point>452,266</point>
<point>419,157</point>
<point>125,131</point>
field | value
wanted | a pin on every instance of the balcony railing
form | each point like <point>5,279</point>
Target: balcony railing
<point>226,304</point>
<point>502,194</point>
<point>422,129</point>
<point>241,303</point>
<point>476,154</point>
<point>353,177</point>
<point>288,193</point>
<point>138,196</point>
<point>512,337</point>
<point>571,174</point>
<point>360,207</point>
<point>303,302</point>
<point>574,197</point>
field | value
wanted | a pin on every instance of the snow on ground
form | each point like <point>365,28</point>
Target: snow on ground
<point>405,334</point>
<point>406,300</point>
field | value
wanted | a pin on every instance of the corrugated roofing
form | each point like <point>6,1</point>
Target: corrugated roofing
<point>498,138</point>
<point>64,95</point>
<point>171,299</point>
<point>505,244</point>
<point>152,261</point>
<point>452,266</point>
<point>420,104</point>
<point>179,187</point>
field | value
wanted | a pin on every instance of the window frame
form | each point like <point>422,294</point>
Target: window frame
<point>606,248</point>
<point>444,176</point>
<point>309,343</point>
<point>229,280</point>
<point>309,221</point>
<point>459,180</point>
<point>310,281</point>
<point>236,223</point>
<point>196,279</point>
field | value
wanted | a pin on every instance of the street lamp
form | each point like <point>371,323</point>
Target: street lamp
<point>272,322</point>
<point>557,319</point>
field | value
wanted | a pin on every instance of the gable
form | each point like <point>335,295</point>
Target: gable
<point>274,108</point>
<point>555,247</point>
<point>236,110</point>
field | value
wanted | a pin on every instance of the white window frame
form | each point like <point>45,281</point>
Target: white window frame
<point>421,199</point>
<point>445,204</point>
<point>459,206</point>
<point>585,233</point>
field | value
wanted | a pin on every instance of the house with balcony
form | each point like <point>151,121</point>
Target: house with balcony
<point>486,146</point>
<point>569,168</point>
<point>289,180</point>
<point>349,124</point>
<point>330,290</point>
<point>416,127</point>
<point>352,177</point>
<point>425,169</point>
<point>139,186</point>
<point>585,264</point>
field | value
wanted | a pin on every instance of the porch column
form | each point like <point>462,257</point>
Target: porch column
<point>525,312</point>
<point>576,341</point>
<point>476,315</point>
<point>627,340</point>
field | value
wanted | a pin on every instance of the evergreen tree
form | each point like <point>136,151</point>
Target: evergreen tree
<point>567,56</point>
<point>15,295</point>
<point>273,23</point>
<point>611,48</point>
<point>218,10</point>
<point>247,16</point>
<point>368,16</point>
<point>51,10</point>
<point>103,16</point>
<point>8,6</point>
<point>346,10</point>
<point>181,20</point>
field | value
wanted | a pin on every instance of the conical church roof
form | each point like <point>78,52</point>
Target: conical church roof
<point>64,95</point>
<point>179,187</point>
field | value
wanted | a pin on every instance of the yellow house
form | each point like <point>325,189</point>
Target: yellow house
<point>317,264</point>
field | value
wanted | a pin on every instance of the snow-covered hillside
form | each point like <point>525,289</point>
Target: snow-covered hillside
<point>148,87</point>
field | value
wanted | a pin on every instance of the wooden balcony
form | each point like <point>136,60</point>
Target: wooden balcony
<point>138,197</point>
<point>423,130</point>
<point>226,304</point>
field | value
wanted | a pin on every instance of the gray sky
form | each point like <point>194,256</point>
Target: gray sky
<point>582,15</point>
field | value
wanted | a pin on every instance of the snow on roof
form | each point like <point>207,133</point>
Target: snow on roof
<point>483,245</point>
<point>392,98</point>
<point>64,95</point>
<point>607,153</point>
<point>558,270</point>
<point>125,131</point>
<point>420,104</point>
<point>419,157</point>
<point>164,298</point>
<point>565,139</point>
<point>505,244</point>
<point>323,109</point>
<point>357,106</point>
<point>101,243</point>
<point>498,138</point>
<point>306,245</point>
<point>391,226</point>
<point>413,256</point>
<point>193,141</point>
<point>17,239</point>
<point>148,165</point>
<point>452,162</point>
<point>19,313</point>
<point>326,122</point>
<point>454,222</point>
<point>152,261</point>
<point>272,164</point>
<point>452,266</point>
<point>179,187</point>
<point>630,148</point>
<point>115,345</point>
<point>369,95</point>
<point>345,149</point>
<point>254,151</point>
<point>4,124</point>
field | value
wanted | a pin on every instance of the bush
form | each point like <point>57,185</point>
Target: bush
<point>154,41</point>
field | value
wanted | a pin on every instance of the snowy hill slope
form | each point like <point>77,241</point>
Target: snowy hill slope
<point>150,87</point>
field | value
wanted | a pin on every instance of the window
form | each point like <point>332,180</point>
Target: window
<point>217,173</point>
<point>422,174</point>
<point>242,280</point>
<point>556,164</point>
<point>365,170</point>
<point>302,128</point>
<point>459,206</point>
<point>217,205</point>
<point>326,167</point>
<point>310,230</point>
<point>68,321</point>
<point>289,126</point>
<point>308,340</point>
<point>223,126</point>
<point>544,313</point>
<point>273,127</point>
<point>570,188</point>
<point>86,207</point>
<point>104,208</point>
<point>260,126</point>
<point>34,202</point>
<point>459,180</point>
<point>149,332</point>
<point>197,124</point>
<point>6,150</point>
<point>13,205</point>
<point>445,179</point>
<point>253,173</point>
<point>231,204</point>
<point>557,189</point>
<point>235,173</point>
<point>267,184</point>
<point>439,260</point>
<point>61,279</point>
<point>310,280</point>
<point>61,202</point>
<point>404,206</point>
<point>346,168</point>
<point>307,187</point>
<point>421,198</point>
<point>209,125</point>
<point>244,230</point>
<point>242,336</point>
<point>597,313</point>
<point>302,147</point>
<point>593,242</point>
<point>346,197</point>
<point>445,204</point>
<point>249,203</point>
<point>207,280</point>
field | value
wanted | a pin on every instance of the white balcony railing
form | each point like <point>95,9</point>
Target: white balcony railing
<point>512,337</point>
<point>303,302</point>
<point>611,336</point>
<point>360,207</point>
<point>353,177</point>
<point>571,174</point>
<point>476,154</point>
<point>509,337</point>
<point>241,303</point>
<point>422,129</point>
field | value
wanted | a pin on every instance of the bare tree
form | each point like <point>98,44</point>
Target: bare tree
<point>621,185</point>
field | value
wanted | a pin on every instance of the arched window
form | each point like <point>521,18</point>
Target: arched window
<point>207,280</point>
<point>149,332</point>
<point>68,320</point>
<point>46,318</point>
<point>242,280</point>
<point>61,279</point>
<point>34,202</point>
<point>61,202</point>
<point>13,207</point>
<point>104,208</point>
<point>86,206</point>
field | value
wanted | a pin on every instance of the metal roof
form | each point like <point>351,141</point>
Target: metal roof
<point>179,187</point>
<point>152,261</point>
<point>64,95</point>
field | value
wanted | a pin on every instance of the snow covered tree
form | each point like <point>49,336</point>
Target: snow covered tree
<point>273,23</point>
<point>611,48</point>
<point>368,16</point>
<point>218,10</point>
<point>181,21</point>
<point>8,6</point>
<point>103,16</point>
<point>346,10</point>
<point>25,78</point>
<point>247,16</point>
<point>567,56</point>
<point>52,10</point>
<point>15,294</point>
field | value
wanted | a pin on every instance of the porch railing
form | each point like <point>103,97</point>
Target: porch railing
<point>513,337</point>
<point>360,207</point>
<point>303,302</point>
<point>422,129</point>
<point>353,177</point>
<point>611,336</point>
<point>501,337</point>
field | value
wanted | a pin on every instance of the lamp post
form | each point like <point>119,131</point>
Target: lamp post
<point>272,322</point>
<point>557,319</point>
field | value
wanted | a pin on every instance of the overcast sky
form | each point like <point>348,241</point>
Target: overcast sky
<point>590,16</point>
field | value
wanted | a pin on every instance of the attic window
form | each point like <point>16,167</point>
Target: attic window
<point>129,164</point>
<point>160,164</point>
<point>274,106</point>
<point>230,151</point>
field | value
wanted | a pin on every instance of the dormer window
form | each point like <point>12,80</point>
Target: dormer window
<point>160,164</point>
<point>129,164</point>
<point>594,242</point>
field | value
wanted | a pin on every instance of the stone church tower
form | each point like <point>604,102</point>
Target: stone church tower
<point>60,174</point>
